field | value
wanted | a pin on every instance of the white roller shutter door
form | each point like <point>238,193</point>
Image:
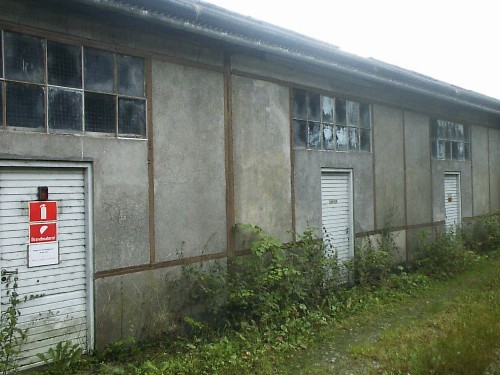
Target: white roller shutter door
<point>60,313</point>
<point>452,200</point>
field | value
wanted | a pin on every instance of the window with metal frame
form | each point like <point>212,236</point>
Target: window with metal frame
<point>322,122</point>
<point>450,141</point>
<point>55,87</point>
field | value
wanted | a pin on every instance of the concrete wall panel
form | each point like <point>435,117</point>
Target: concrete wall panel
<point>494,139</point>
<point>189,161</point>
<point>389,166</point>
<point>262,166</point>
<point>418,169</point>
<point>480,170</point>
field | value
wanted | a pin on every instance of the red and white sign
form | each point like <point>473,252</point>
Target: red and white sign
<point>43,211</point>
<point>42,232</point>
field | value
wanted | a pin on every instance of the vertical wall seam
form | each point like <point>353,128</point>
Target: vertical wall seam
<point>229,156</point>
<point>374,185</point>
<point>151,179</point>
<point>490,206</point>
<point>472,174</point>
<point>405,183</point>
<point>429,125</point>
<point>292,163</point>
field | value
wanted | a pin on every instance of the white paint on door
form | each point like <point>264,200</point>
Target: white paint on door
<point>60,313</point>
<point>336,199</point>
<point>452,204</point>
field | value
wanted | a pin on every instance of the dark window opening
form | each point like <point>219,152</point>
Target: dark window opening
<point>131,117</point>
<point>64,65</point>
<point>99,70</point>
<point>130,75</point>
<point>100,113</point>
<point>25,106</point>
<point>65,110</point>
<point>24,58</point>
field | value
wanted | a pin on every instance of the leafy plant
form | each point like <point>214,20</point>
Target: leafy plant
<point>11,335</point>
<point>62,357</point>
<point>369,265</point>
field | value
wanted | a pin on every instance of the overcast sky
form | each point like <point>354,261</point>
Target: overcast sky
<point>453,41</point>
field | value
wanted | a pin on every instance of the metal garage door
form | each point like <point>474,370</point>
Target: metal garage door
<point>60,313</point>
<point>336,197</point>
<point>452,200</point>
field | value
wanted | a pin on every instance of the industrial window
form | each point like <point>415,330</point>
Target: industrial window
<point>54,87</point>
<point>322,122</point>
<point>450,141</point>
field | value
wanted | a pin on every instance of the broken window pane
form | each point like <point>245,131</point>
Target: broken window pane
<point>131,117</point>
<point>130,75</point>
<point>365,140</point>
<point>327,109</point>
<point>299,104</point>
<point>64,65</point>
<point>340,111</point>
<point>352,110</point>
<point>442,129</point>
<point>353,138</point>
<point>24,58</point>
<point>467,154</point>
<point>25,106</point>
<point>441,149</point>
<point>365,120</point>
<point>299,133</point>
<point>99,70</point>
<point>313,108</point>
<point>314,135</point>
<point>460,132</point>
<point>328,138</point>
<point>100,113</point>
<point>65,110</point>
<point>342,138</point>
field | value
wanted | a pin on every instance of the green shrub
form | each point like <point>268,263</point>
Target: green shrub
<point>482,234</point>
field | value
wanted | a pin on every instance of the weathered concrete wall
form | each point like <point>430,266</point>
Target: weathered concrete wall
<point>389,166</point>
<point>307,180</point>
<point>121,229</point>
<point>480,170</point>
<point>494,147</point>
<point>189,161</point>
<point>418,169</point>
<point>262,166</point>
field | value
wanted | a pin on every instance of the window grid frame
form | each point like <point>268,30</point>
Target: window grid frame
<point>45,86</point>
<point>333,123</point>
<point>448,142</point>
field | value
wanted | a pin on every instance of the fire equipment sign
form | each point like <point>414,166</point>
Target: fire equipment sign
<point>43,232</point>
<point>43,248</point>
<point>43,211</point>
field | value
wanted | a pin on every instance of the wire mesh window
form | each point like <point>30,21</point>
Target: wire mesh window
<point>450,141</point>
<point>58,87</point>
<point>327,123</point>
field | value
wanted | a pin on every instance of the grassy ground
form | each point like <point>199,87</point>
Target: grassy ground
<point>451,327</point>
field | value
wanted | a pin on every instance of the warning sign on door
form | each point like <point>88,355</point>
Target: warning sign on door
<point>43,211</point>
<point>43,232</point>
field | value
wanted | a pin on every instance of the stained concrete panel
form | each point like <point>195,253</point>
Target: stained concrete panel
<point>307,179</point>
<point>418,169</point>
<point>389,166</point>
<point>494,147</point>
<point>262,165</point>
<point>189,161</point>
<point>480,170</point>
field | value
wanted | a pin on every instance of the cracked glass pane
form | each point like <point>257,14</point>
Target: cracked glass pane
<point>25,106</point>
<point>130,75</point>
<point>314,135</point>
<point>64,65</point>
<point>24,58</point>
<point>131,117</point>
<point>342,138</point>
<point>328,138</point>
<point>441,150</point>
<point>65,110</point>
<point>340,111</point>
<point>352,109</point>
<point>100,113</point>
<point>353,138</point>
<point>327,109</point>
<point>365,119</point>
<point>313,107</point>
<point>99,70</point>
<point>365,140</point>
<point>299,133</point>
<point>299,105</point>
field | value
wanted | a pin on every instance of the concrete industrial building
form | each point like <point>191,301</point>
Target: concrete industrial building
<point>157,125</point>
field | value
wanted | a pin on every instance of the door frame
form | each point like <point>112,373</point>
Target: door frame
<point>349,173</point>
<point>89,227</point>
